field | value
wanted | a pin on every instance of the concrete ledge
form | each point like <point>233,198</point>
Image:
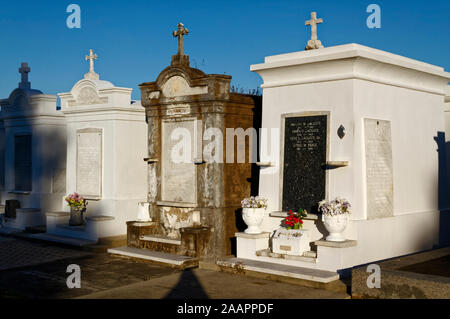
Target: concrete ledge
<point>155,256</point>
<point>241,265</point>
<point>161,239</point>
<point>336,244</point>
<point>4,230</point>
<point>176,204</point>
<point>58,214</point>
<point>418,276</point>
<point>309,256</point>
<point>27,210</point>
<point>20,192</point>
<point>285,214</point>
<point>80,228</point>
<point>99,218</point>
<point>252,236</point>
<point>72,241</point>
<point>140,224</point>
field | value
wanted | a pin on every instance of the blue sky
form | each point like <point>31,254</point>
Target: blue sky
<point>134,42</point>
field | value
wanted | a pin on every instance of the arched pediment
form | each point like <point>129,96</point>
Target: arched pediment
<point>178,86</point>
<point>19,97</point>
<point>176,81</point>
<point>86,92</point>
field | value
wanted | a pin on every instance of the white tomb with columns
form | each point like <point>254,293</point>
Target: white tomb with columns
<point>33,157</point>
<point>387,164</point>
<point>106,147</point>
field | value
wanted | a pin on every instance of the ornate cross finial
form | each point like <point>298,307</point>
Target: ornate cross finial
<point>180,33</point>
<point>314,43</point>
<point>24,70</point>
<point>91,74</point>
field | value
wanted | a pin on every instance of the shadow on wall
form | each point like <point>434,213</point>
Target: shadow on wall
<point>32,150</point>
<point>443,188</point>
<point>254,179</point>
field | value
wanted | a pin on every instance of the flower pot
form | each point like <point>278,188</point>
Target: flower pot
<point>335,224</point>
<point>76,216</point>
<point>292,242</point>
<point>253,218</point>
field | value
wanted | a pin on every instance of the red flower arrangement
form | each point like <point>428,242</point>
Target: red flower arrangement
<point>295,220</point>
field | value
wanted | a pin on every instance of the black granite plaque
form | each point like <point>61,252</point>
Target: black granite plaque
<point>305,146</point>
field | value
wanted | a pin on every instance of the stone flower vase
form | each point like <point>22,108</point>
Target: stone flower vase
<point>253,218</point>
<point>335,225</point>
<point>76,216</point>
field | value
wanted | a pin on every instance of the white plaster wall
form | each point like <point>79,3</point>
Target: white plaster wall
<point>124,172</point>
<point>2,158</point>
<point>416,118</point>
<point>48,153</point>
<point>338,100</point>
<point>447,140</point>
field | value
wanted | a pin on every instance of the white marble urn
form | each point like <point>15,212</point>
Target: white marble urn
<point>335,225</point>
<point>253,218</point>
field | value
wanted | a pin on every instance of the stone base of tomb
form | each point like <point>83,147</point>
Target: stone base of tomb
<point>368,241</point>
<point>97,230</point>
<point>25,217</point>
<point>282,273</point>
<point>193,241</point>
<point>147,241</point>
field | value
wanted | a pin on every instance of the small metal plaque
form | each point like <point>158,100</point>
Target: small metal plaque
<point>285,248</point>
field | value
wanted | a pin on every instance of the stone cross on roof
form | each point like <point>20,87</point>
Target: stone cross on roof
<point>91,74</point>
<point>24,70</point>
<point>180,33</point>
<point>314,43</point>
<point>180,59</point>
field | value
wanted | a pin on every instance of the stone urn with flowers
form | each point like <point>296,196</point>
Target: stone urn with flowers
<point>253,211</point>
<point>77,206</point>
<point>335,216</point>
<point>290,238</point>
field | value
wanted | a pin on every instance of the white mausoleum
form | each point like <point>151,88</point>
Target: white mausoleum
<point>391,111</point>
<point>106,146</point>
<point>33,157</point>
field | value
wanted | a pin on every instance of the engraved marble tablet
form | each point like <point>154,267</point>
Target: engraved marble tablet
<point>378,168</point>
<point>305,152</point>
<point>89,163</point>
<point>178,180</point>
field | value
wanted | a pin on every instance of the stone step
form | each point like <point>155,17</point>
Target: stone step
<point>36,229</point>
<point>161,239</point>
<point>25,217</point>
<point>72,241</point>
<point>156,256</point>
<point>4,230</point>
<point>315,275</point>
<point>309,256</point>
<point>80,228</point>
